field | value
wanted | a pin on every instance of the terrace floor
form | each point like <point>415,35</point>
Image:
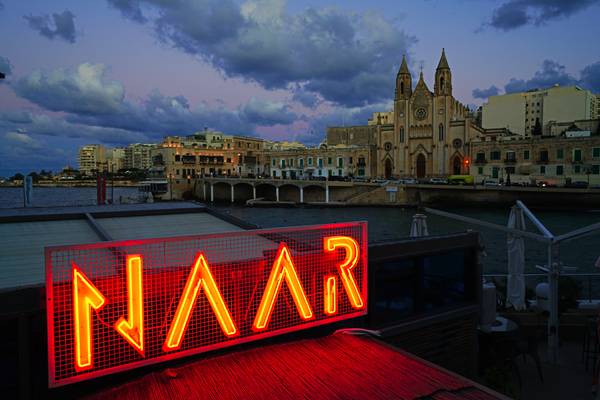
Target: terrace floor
<point>566,380</point>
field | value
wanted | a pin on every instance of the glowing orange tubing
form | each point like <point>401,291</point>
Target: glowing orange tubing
<point>132,328</point>
<point>352,249</point>
<point>200,277</point>
<point>330,295</point>
<point>283,267</point>
<point>85,297</point>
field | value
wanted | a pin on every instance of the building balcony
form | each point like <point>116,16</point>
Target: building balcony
<point>480,161</point>
<point>510,161</point>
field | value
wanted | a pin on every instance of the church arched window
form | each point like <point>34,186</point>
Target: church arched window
<point>442,83</point>
<point>401,87</point>
<point>441,132</point>
<point>401,134</point>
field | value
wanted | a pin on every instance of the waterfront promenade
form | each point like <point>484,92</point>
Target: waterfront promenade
<point>287,192</point>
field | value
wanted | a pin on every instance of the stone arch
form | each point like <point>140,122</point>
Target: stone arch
<point>387,168</point>
<point>266,191</point>
<point>314,193</point>
<point>242,192</point>
<point>421,165</point>
<point>222,191</point>
<point>289,192</point>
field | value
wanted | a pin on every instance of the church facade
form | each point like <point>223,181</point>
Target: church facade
<point>426,134</point>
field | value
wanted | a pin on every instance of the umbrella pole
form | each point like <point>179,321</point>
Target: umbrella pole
<point>553,323</point>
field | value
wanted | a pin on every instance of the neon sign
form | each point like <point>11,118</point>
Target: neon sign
<point>120,305</point>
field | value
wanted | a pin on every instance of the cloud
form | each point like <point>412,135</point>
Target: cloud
<point>306,98</point>
<point>93,104</point>
<point>20,139</point>
<point>60,26</point>
<point>84,90</point>
<point>5,67</point>
<point>550,74</point>
<point>267,113</point>
<point>514,14</point>
<point>590,77</point>
<point>485,93</point>
<point>345,57</point>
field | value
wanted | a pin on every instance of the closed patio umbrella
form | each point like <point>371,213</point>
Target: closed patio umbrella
<point>419,226</point>
<point>515,285</point>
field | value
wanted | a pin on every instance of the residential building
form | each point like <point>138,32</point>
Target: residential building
<point>92,158</point>
<point>521,112</point>
<point>115,159</point>
<point>571,155</point>
<point>426,134</point>
<point>138,156</point>
<point>322,161</point>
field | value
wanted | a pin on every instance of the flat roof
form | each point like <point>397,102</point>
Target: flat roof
<point>25,232</point>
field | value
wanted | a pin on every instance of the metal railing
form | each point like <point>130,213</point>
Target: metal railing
<point>588,278</point>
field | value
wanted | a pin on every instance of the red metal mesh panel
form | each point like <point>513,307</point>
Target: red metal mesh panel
<point>240,264</point>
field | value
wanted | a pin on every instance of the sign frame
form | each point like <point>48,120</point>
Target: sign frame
<point>53,382</point>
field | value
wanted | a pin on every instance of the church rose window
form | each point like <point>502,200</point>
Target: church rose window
<point>387,146</point>
<point>420,113</point>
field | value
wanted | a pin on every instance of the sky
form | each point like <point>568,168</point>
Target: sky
<point>116,72</point>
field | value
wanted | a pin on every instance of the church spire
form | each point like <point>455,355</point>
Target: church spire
<point>443,64</point>
<point>443,77</point>
<point>403,81</point>
<point>404,66</point>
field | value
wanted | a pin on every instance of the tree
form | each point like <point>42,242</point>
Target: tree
<point>17,177</point>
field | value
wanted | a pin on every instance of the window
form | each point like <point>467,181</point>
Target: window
<point>229,160</point>
<point>560,154</point>
<point>441,132</point>
<point>559,170</point>
<point>577,169</point>
<point>596,152</point>
<point>401,134</point>
<point>329,160</point>
<point>282,163</point>
<point>544,155</point>
<point>320,162</point>
<point>596,169</point>
<point>511,156</point>
<point>177,157</point>
<point>340,172</point>
<point>291,161</point>
<point>273,161</point>
<point>361,172</point>
<point>494,155</point>
<point>576,154</point>
<point>340,162</point>
<point>387,146</point>
<point>542,169</point>
<point>310,160</point>
<point>480,157</point>
<point>526,154</point>
<point>350,160</point>
<point>361,161</point>
<point>480,170</point>
<point>301,162</point>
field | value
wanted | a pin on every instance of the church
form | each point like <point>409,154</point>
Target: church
<point>427,134</point>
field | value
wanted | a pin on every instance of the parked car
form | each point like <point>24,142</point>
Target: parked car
<point>410,181</point>
<point>546,184</point>
<point>577,185</point>
<point>461,180</point>
<point>490,182</point>
<point>437,181</point>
